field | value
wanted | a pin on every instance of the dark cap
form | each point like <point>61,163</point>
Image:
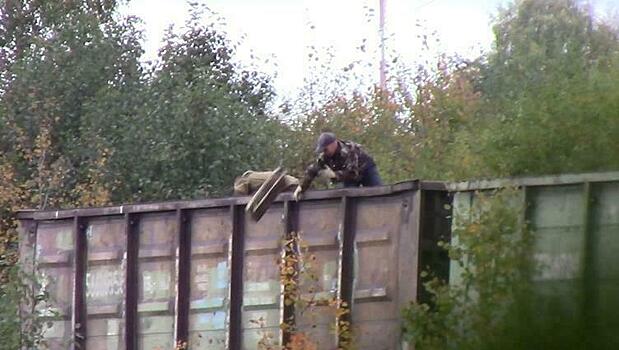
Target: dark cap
<point>325,139</point>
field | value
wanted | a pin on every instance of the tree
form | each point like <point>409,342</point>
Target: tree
<point>550,90</point>
<point>198,121</point>
<point>56,58</point>
<point>72,52</point>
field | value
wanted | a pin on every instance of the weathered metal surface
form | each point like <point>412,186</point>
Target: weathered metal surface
<point>377,289</point>
<point>105,282</point>
<point>575,223</point>
<point>205,272</point>
<point>321,232</point>
<point>261,286</point>
<point>54,259</point>
<point>223,202</point>
<point>550,180</point>
<point>210,278</point>
<point>157,280</point>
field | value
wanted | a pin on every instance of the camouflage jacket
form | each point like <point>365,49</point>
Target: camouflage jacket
<point>349,162</point>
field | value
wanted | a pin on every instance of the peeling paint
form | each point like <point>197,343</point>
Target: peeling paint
<point>558,266</point>
<point>105,283</point>
<point>211,321</point>
<point>64,240</point>
<point>208,303</point>
<point>156,284</point>
<point>329,275</point>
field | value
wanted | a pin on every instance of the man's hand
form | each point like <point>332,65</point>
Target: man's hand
<point>327,173</point>
<point>298,193</point>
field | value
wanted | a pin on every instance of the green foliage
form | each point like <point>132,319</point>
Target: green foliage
<point>80,108</point>
<point>195,121</point>
<point>21,325</point>
<point>302,291</point>
<point>550,89</point>
<point>73,53</point>
<point>445,106</point>
<point>492,249</point>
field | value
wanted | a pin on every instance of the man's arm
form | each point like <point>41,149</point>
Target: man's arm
<point>311,172</point>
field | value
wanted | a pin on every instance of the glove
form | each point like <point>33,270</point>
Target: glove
<point>298,193</point>
<point>327,173</point>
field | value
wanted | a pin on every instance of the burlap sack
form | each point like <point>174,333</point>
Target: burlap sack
<point>250,181</point>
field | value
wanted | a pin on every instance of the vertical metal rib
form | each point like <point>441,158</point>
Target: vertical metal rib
<point>346,272</point>
<point>184,276</point>
<point>236,279</point>
<point>131,282</point>
<point>589,271</point>
<point>79,289</point>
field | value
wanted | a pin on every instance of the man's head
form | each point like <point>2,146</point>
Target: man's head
<point>327,143</point>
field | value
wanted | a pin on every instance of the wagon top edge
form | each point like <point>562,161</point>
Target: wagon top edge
<point>533,181</point>
<point>31,214</point>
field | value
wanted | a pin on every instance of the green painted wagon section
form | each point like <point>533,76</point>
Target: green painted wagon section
<point>575,225</point>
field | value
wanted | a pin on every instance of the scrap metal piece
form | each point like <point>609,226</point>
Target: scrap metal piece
<point>250,182</point>
<point>266,194</point>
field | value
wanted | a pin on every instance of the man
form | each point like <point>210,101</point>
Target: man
<point>341,161</point>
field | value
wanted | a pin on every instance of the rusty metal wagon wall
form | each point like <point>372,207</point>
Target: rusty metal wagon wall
<point>146,276</point>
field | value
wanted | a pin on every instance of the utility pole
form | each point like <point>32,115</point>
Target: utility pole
<point>591,14</point>
<point>383,75</point>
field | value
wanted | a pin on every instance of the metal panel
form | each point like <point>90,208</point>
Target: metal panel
<point>375,312</point>
<point>605,221</point>
<point>157,280</point>
<point>105,283</point>
<point>604,225</point>
<point>261,286</point>
<point>211,230</point>
<point>54,259</point>
<point>555,214</point>
<point>318,227</point>
<point>557,220</point>
<point>27,240</point>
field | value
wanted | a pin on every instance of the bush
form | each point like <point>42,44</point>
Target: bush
<point>491,249</point>
<point>21,324</point>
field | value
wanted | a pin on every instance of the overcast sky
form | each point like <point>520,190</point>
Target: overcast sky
<point>281,30</point>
